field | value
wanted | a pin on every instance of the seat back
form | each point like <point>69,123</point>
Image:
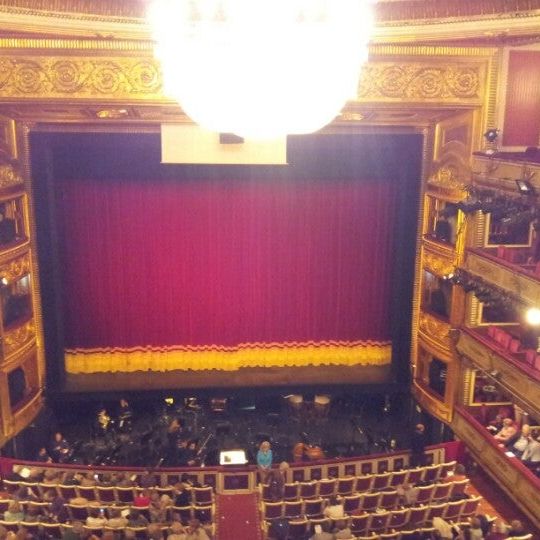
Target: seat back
<point>202,495</point>
<point>417,516</point>
<point>298,529</point>
<point>293,509</point>
<point>327,487</point>
<point>204,513</point>
<point>308,490</point>
<point>314,507</point>
<point>446,468</point>
<point>458,488</point>
<point>272,510</point>
<point>351,503</point>
<point>345,486</point>
<point>398,477</point>
<point>431,474</point>
<point>469,507</point>
<point>291,491</point>
<point>389,500</point>
<point>359,524</point>
<point>415,476</point>
<point>370,502</point>
<point>379,521</point>
<point>399,518</point>
<point>381,481</point>
<point>424,494</point>
<point>363,483</point>
<point>441,492</point>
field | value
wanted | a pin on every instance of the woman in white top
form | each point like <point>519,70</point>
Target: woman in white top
<point>335,509</point>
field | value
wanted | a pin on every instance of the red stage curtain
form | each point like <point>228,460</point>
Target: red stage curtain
<point>225,262</point>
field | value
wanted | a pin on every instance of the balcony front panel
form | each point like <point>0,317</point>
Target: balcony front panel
<point>503,276</point>
<point>513,477</point>
<point>506,370</point>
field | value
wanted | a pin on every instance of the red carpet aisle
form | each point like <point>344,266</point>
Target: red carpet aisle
<point>237,517</point>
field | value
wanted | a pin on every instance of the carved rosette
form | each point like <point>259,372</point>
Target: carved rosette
<point>84,77</point>
<point>416,81</point>
<point>16,339</point>
<point>15,269</point>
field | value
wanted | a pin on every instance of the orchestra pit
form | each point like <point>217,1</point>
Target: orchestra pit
<point>269,270</point>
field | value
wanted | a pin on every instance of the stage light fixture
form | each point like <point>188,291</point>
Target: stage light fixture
<point>532,316</point>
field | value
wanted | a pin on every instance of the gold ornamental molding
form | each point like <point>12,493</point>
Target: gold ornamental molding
<point>10,176</point>
<point>516,283</point>
<point>435,332</point>
<point>415,81</point>
<point>79,77</point>
<point>438,259</point>
<point>526,390</point>
<point>79,69</point>
<point>15,269</point>
<point>19,339</point>
<point>431,404</point>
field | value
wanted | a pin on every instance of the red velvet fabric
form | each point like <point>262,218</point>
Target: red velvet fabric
<point>225,262</point>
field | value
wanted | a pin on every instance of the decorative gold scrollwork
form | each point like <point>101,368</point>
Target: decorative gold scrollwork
<point>17,338</point>
<point>88,77</point>
<point>15,269</point>
<point>9,175</point>
<point>418,81</point>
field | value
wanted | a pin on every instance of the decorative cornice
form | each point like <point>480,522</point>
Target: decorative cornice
<point>80,77</point>
<point>19,339</point>
<point>15,269</point>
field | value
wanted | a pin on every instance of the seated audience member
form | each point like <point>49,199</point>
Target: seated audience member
<point>75,532</point>
<point>43,456</point>
<point>158,507</point>
<point>176,531</point>
<point>516,528</point>
<point>182,496</point>
<point>195,531</point>
<point>407,494</point>
<point>123,480</point>
<point>148,480</point>
<point>498,531</point>
<point>33,514</point>
<point>14,512</point>
<point>154,532</point>
<point>61,450</point>
<point>88,480</point>
<point>443,528</point>
<point>142,500</point>
<point>96,518</point>
<point>321,533</point>
<point>136,519</point>
<point>57,507</point>
<point>343,531</point>
<point>522,441</point>
<point>507,432</point>
<point>117,520</point>
<point>476,529</point>
<point>531,454</point>
<point>496,424</point>
<point>335,509</point>
<point>459,474</point>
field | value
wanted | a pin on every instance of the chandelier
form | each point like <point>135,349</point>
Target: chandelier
<point>261,68</point>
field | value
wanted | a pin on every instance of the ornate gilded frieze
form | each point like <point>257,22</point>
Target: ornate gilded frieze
<point>416,81</point>
<point>434,330</point>
<point>19,338</point>
<point>528,289</point>
<point>81,77</point>
<point>525,389</point>
<point>437,261</point>
<point>15,269</point>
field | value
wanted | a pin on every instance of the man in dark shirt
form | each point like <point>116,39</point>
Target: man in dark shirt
<point>418,444</point>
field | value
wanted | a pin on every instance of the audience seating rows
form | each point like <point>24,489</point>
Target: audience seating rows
<point>513,345</point>
<point>367,501</point>
<point>104,494</point>
<point>349,485</point>
<point>383,520</point>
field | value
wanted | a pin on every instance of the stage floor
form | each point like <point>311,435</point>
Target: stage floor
<point>245,377</point>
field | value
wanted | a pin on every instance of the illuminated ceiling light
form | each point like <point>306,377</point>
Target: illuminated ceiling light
<point>532,316</point>
<point>261,68</point>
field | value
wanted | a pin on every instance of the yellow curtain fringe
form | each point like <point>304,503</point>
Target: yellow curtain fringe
<point>227,359</point>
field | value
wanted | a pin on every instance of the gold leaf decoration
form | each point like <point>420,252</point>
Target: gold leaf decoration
<point>89,77</point>
<point>418,81</point>
<point>9,176</point>
<point>17,338</point>
<point>15,269</point>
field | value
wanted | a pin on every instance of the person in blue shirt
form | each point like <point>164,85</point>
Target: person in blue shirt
<point>264,461</point>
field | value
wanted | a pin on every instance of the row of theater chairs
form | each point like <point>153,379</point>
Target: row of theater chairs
<point>106,494</point>
<point>369,501</point>
<point>56,531</point>
<point>204,513</point>
<point>387,522</point>
<point>359,484</point>
<point>406,518</point>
